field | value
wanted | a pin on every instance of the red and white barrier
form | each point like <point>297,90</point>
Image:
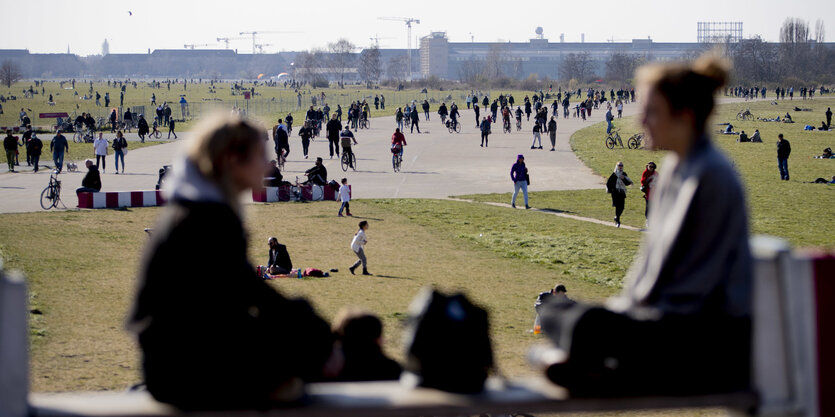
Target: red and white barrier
<point>284,193</point>
<point>120,199</point>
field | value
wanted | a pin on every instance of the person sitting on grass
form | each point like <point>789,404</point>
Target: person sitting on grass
<point>743,137</point>
<point>360,336</point>
<point>92,180</point>
<point>203,328</point>
<point>755,138</point>
<point>729,129</point>
<point>279,262</point>
<point>787,118</point>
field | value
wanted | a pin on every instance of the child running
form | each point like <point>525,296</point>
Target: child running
<point>345,198</point>
<point>358,246</point>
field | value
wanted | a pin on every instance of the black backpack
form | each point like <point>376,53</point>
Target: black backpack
<point>448,343</point>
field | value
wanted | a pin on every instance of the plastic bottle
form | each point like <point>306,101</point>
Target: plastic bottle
<point>300,273</point>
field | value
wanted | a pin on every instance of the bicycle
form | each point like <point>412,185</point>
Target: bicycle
<point>83,134</point>
<point>744,115</point>
<point>51,195</point>
<point>365,124</point>
<point>635,141</point>
<point>453,126</point>
<point>506,126</point>
<point>346,162</point>
<point>396,158</point>
<point>613,139</point>
<point>518,125</point>
<point>155,133</point>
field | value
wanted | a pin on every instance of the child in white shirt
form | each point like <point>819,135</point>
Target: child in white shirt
<point>345,197</point>
<point>358,246</point>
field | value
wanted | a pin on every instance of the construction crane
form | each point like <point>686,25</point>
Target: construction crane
<point>262,32</point>
<point>376,40</point>
<point>260,47</point>
<point>196,45</point>
<point>408,21</point>
<point>227,39</point>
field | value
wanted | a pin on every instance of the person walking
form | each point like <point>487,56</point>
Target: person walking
<point>10,146</point>
<point>128,119</point>
<point>485,131</point>
<point>344,195</point>
<point>33,149</point>
<point>333,127</point>
<point>537,135</point>
<point>171,124</point>
<point>609,118</point>
<point>120,146</point>
<point>648,179</point>
<point>519,176</point>
<point>100,149</point>
<point>58,145</point>
<point>616,186</point>
<point>552,132</point>
<point>426,109</point>
<point>477,113</point>
<point>358,246</point>
<point>415,120</point>
<point>784,149</point>
<point>305,132</point>
<point>281,141</point>
<point>142,128</point>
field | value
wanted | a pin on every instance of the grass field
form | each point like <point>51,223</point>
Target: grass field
<point>268,105</point>
<point>796,210</point>
<point>78,151</point>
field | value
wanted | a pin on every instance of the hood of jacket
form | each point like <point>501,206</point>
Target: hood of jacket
<point>188,184</point>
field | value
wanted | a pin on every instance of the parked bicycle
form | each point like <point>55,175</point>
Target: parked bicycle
<point>635,141</point>
<point>614,139</point>
<point>51,195</point>
<point>745,115</point>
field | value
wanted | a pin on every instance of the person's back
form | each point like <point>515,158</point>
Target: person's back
<point>359,335</point>
<point>92,180</point>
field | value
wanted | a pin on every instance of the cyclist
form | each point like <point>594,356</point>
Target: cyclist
<point>518,117</point>
<point>345,138</point>
<point>453,115</point>
<point>289,120</point>
<point>398,141</point>
<point>443,112</point>
<point>506,117</point>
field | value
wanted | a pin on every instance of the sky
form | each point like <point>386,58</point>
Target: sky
<point>134,26</point>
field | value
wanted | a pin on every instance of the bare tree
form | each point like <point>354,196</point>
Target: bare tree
<point>622,66</point>
<point>795,48</point>
<point>755,61</point>
<point>396,68</point>
<point>370,67</point>
<point>341,58</point>
<point>577,66</point>
<point>469,71</point>
<point>309,65</point>
<point>10,73</point>
<point>497,56</point>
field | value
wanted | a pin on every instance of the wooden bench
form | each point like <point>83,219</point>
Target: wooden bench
<point>794,319</point>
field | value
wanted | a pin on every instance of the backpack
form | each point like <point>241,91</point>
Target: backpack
<point>448,343</point>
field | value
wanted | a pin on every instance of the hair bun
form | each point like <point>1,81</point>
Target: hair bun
<point>714,68</point>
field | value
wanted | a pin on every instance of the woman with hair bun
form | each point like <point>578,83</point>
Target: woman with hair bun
<point>214,335</point>
<point>682,323</point>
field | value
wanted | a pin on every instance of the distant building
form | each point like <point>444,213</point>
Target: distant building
<point>105,48</point>
<point>434,55</point>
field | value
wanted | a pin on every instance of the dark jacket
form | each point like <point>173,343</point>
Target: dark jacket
<point>306,133</point>
<point>280,258</point>
<point>281,140</point>
<point>92,179</point>
<point>142,126</point>
<point>231,340</point>
<point>784,149</point>
<point>34,146</point>
<point>333,128</point>
<point>317,175</point>
<point>518,172</point>
<point>10,143</point>
<point>611,184</point>
<point>119,144</point>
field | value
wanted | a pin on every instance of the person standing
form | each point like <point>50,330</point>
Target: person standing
<point>27,136</point>
<point>306,132</point>
<point>358,246</point>
<point>10,146</point>
<point>828,118</point>
<point>333,127</point>
<point>784,149</point>
<point>616,186</point>
<point>519,176</point>
<point>609,119</point>
<point>477,113</point>
<point>537,135</point>
<point>648,179</point>
<point>120,146</point>
<point>171,124</point>
<point>128,119</point>
<point>58,145</point>
<point>552,132</point>
<point>282,141</point>
<point>345,197</point>
<point>100,149</point>
<point>426,109</point>
<point>33,150</point>
<point>485,131</point>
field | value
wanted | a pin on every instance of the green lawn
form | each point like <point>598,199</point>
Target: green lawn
<point>795,210</point>
<point>81,271</point>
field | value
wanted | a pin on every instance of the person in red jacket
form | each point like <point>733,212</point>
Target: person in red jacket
<point>648,179</point>
<point>398,141</point>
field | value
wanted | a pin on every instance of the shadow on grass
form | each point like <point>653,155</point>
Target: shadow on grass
<point>392,277</point>
<point>552,210</point>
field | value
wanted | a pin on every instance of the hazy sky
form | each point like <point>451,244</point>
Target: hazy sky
<point>49,26</point>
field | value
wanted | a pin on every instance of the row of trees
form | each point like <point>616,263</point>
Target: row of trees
<point>339,58</point>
